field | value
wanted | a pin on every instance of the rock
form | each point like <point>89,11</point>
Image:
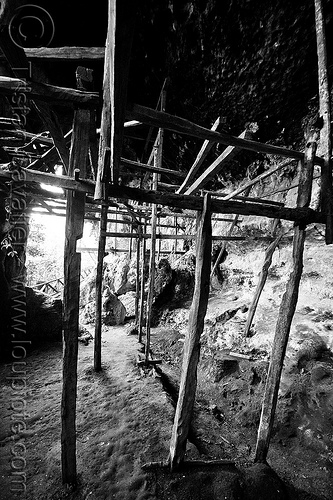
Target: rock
<point>321,372</point>
<point>88,289</point>
<point>163,277</point>
<point>116,274</point>
<point>44,316</point>
<point>84,335</point>
<point>128,300</point>
<point>113,311</point>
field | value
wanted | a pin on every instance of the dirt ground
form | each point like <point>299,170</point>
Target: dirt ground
<point>124,421</point>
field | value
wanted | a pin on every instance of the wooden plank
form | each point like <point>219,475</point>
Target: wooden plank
<point>72,272</point>
<point>286,311</point>
<point>215,167</point>
<point>182,126</point>
<point>325,114</point>
<point>66,53</point>
<point>61,96</point>
<point>188,382</point>
<point>201,156</point>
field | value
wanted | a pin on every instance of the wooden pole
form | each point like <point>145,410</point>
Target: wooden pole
<point>201,156</point>
<point>142,285</point>
<point>72,271</point>
<point>99,271</point>
<point>325,114</point>
<point>286,312</point>
<point>261,283</point>
<point>150,296</point>
<point>188,382</point>
<point>137,280</point>
<point>223,246</point>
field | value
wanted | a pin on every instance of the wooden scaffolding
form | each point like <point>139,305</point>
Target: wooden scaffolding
<point>93,164</point>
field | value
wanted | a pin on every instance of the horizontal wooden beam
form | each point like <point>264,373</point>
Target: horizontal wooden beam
<point>134,165</point>
<point>304,215</point>
<point>161,119</point>
<point>159,236</point>
<point>66,53</point>
<point>61,96</point>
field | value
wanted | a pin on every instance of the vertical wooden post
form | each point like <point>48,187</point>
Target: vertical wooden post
<point>137,280</point>
<point>99,277</point>
<point>150,296</point>
<point>286,312</point>
<point>142,284</point>
<point>188,382</point>
<point>72,270</point>
<point>325,114</point>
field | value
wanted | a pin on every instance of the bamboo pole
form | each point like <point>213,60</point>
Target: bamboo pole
<point>325,114</point>
<point>286,312</point>
<point>188,382</point>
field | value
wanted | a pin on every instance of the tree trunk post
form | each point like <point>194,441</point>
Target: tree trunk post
<point>188,382</point>
<point>325,114</point>
<point>72,271</point>
<point>286,311</point>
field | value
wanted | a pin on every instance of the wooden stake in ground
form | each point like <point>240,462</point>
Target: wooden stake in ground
<point>286,312</point>
<point>325,114</point>
<point>142,286</point>
<point>261,283</point>
<point>151,270</point>
<point>72,270</point>
<point>188,382</point>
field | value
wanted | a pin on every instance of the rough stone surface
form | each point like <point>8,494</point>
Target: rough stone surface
<point>128,300</point>
<point>113,311</point>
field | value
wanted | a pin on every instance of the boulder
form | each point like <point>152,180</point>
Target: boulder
<point>113,311</point>
<point>128,300</point>
<point>116,274</point>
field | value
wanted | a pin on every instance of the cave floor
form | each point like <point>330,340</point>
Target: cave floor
<point>124,420</point>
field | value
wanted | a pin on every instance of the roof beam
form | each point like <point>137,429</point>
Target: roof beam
<point>179,125</point>
<point>215,167</point>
